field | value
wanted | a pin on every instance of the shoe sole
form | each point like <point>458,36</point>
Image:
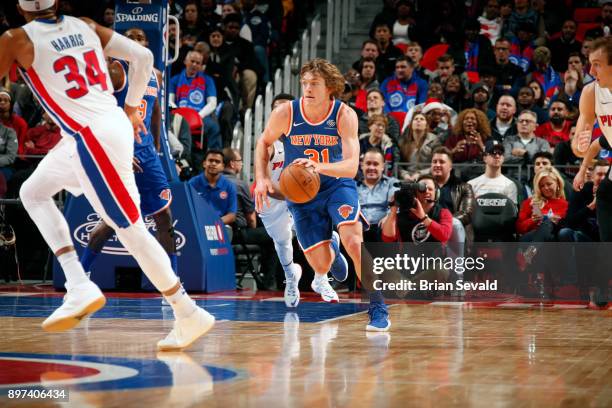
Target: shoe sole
<point>378,329</point>
<point>68,322</point>
<point>206,328</point>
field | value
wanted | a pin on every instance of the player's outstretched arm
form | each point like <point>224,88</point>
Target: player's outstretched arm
<point>15,46</point>
<point>586,120</point>
<point>277,125</point>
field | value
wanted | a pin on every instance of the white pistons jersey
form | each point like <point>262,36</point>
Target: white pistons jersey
<point>603,110</point>
<point>277,161</point>
<point>69,73</point>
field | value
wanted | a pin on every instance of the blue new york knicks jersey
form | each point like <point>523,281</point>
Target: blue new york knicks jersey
<point>146,104</point>
<point>319,142</point>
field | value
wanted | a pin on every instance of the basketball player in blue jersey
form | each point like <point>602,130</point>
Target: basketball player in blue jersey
<point>320,132</point>
<point>152,183</point>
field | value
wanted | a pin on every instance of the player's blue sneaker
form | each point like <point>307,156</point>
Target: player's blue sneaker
<point>339,268</point>
<point>379,317</point>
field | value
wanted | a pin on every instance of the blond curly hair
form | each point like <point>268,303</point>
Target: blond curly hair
<point>332,76</point>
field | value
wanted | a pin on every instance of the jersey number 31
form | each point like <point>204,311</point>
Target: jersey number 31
<point>93,74</point>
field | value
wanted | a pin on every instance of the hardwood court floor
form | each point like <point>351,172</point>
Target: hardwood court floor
<point>436,355</point>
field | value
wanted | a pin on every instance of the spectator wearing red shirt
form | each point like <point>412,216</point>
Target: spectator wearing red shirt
<point>426,222</point>
<point>541,213</point>
<point>12,120</point>
<point>42,138</point>
<point>557,129</point>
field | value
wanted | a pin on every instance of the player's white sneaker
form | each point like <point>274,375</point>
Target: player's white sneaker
<point>292,291</point>
<point>187,330</point>
<point>323,288</point>
<point>79,302</point>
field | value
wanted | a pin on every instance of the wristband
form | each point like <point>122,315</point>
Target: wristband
<point>424,218</point>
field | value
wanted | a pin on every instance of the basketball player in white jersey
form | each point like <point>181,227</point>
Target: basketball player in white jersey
<point>62,59</point>
<point>596,102</point>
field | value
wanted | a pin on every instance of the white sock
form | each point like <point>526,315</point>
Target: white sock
<point>182,304</point>
<point>319,278</point>
<point>75,274</point>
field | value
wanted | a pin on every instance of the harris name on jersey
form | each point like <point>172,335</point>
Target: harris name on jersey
<point>67,41</point>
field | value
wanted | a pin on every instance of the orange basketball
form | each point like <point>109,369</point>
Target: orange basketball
<point>299,184</point>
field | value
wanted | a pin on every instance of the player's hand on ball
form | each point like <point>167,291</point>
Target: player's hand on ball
<point>262,188</point>
<point>307,163</point>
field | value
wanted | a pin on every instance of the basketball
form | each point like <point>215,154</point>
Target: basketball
<point>299,184</point>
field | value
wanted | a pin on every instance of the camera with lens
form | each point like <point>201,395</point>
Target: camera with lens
<point>405,197</point>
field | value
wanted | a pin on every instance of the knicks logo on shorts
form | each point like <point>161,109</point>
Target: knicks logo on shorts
<point>345,211</point>
<point>166,195</point>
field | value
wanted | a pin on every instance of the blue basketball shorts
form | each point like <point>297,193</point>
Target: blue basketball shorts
<point>152,183</point>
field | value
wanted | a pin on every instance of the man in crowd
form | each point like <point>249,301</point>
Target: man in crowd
<point>504,124</point>
<point>404,89</point>
<point>557,129</point>
<point>493,181</point>
<point>521,147</point>
<point>375,192</point>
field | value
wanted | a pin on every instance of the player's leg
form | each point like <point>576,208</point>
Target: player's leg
<point>314,231</point>
<point>165,234</point>
<point>97,239</point>
<point>52,175</point>
<point>278,223</point>
<point>345,211</point>
<point>104,171</point>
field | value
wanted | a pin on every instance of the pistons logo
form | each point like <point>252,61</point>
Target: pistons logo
<point>166,195</point>
<point>345,211</point>
<point>223,195</point>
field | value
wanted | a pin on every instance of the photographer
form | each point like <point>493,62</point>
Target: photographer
<point>416,216</point>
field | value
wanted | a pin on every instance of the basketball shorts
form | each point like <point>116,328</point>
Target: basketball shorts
<point>336,206</point>
<point>155,193</point>
<point>277,220</point>
<point>96,160</point>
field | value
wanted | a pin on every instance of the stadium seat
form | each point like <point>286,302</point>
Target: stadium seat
<point>399,116</point>
<point>494,218</point>
<point>430,58</point>
<point>587,14</point>
<point>196,125</point>
<point>583,28</point>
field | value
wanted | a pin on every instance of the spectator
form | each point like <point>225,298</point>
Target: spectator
<point>216,189</point>
<point>12,120</point>
<point>476,51</point>
<point>193,89</point>
<point>415,52</point>
<point>480,99</point>
<point>231,8</point>
<point>375,191</point>
<point>557,129</point>
<point>493,181</point>
<point>404,89</point>
<point>243,53</point>
<point>455,195</point>
<point>435,94</point>
<point>389,53</point>
<point>470,134</point>
<point>541,213</point>
<point>369,49</point>
<point>580,224</point>
<point>507,73</point>
<point>504,123</point>
<point>521,148</point>
<point>562,47</point>
<point>428,221</point>
<point>191,23</point>
<point>538,94</point>
<point>527,101</point>
<point>524,15</point>
<point>544,73</point>
<point>221,58</point>
<point>606,21</point>
<point>438,118</point>
<point>386,16</point>
<point>574,80</point>
<point>375,102</point>
<point>40,139</point>
<point>8,151</point>
<point>417,145</point>
<point>378,138</point>
<point>368,74</point>
<point>491,21</point>
<point>455,94</point>
<point>404,27</point>
<point>564,156</point>
<point>108,18</point>
<point>209,20</point>
<point>445,67</point>
<point>522,47</point>
<point>262,30</point>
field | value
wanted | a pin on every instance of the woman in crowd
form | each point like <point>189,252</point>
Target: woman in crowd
<point>378,137</point>
<point>470,134</point>
<point>417,145</point>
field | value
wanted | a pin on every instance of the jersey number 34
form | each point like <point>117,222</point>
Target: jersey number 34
<point>93,74</point>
